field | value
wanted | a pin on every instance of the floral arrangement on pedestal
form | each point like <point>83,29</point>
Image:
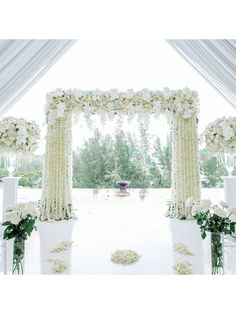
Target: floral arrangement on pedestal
<point>220,139</point>
<point>19,222</point>
<point>181,108</point>
<point>220,136</point>
<point>18,135</point>
<point>216,220</point>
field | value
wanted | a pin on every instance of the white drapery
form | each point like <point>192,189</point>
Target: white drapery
<point>23,63</point>
<point>215,60</point>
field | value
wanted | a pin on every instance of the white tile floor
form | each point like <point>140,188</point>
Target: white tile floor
<point>107,222</point>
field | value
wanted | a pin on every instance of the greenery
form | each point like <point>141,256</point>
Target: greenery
<point>102,160</point>
<point>22,230</point>
<point>211,222</point>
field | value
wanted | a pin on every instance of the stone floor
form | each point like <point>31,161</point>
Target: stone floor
<point>107,222</point>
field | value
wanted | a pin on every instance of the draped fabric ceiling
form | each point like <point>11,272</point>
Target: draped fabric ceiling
<point>215,60</point>
<point>23,63</point>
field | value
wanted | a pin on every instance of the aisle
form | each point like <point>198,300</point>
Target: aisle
<point>107,223</point>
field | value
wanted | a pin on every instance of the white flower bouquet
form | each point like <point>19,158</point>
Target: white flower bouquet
<point>18,135</point>
<point>220,136</point>
<point>216,220</point>
<point>19,222</point>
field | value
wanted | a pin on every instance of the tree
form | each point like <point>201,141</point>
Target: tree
<point>212,170</point>
<point>160,167</point>
<point>93,162</point>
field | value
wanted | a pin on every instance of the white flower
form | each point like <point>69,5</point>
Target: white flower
<point>205,203</point>
<point>219,211</point>
<point>114,93</point>
<point>196,209</point>
<point>15,219</point>
<point>189,202</point>
<point>232,211</point>
<point>60,110</point>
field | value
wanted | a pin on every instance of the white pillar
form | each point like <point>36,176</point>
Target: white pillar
<point>10,193</point>
<point>230,191</point>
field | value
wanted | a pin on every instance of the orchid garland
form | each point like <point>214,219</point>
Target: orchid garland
<point>113,102</point>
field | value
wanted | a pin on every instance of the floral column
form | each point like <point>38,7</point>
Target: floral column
<point>56,201</point>
<point>185,165</point>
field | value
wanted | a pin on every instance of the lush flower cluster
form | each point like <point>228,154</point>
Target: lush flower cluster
<point>18,135</point>
<point>113,102</point>
<point>212,218</point>
<point>125,257</point>
<point>183,268</point>
<point>182,249</point>
<point>220,136</point>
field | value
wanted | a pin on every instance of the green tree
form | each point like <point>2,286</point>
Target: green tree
<point>160,166</point>
<point>212,170</point>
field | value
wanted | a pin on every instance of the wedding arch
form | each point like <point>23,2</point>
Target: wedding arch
<point>181,108</point>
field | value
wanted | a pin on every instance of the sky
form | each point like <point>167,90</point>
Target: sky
<point>121,64</point>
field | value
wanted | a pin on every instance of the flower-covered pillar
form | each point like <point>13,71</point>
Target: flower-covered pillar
<point>56,201</point>
<point>185,165</point>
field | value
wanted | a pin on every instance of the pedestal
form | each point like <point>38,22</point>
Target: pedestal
<point>10,192</point>
<point>230,191</point>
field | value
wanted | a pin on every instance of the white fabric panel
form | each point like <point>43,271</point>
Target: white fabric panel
<point>23,63</point>
<point>215,60</point>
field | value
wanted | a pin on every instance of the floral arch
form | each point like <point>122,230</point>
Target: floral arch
<point>181,108</point>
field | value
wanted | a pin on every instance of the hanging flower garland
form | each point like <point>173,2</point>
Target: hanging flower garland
<point>113,102</point>
<point>220,136</point>
<point>18,135</point>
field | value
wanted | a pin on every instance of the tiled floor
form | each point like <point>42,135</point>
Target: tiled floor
<point>107,222</point>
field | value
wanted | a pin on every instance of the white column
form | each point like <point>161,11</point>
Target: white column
<point>10,193</point>
<point>230,191</point>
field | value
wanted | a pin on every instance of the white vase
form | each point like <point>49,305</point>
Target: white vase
<point>229,160</point>
<point>11,162</point>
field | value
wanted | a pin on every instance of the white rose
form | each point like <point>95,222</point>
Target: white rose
<point>196,209</point>
<point>219,211</point>
<point>205,203</point>
<point>189,202</point>
<point>15,219</point>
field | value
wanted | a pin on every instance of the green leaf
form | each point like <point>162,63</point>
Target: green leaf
<point>6,223</point>
<point>232,227</point>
